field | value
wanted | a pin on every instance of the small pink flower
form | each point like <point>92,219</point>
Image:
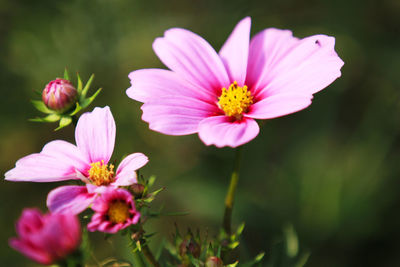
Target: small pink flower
<point>114,210</point>
<point>219,96</point>
<point>59,94</point>
<point>46,238</point>
<point>87,161</point>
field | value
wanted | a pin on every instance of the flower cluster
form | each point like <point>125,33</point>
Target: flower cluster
<point>217,95</point>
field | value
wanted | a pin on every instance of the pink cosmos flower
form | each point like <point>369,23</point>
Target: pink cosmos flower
<point>46,238</point>
<point>87,161</point>
<point>219,96</point>
<point>114,211</point>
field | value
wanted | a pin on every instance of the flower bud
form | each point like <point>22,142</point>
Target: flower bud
<point>190,246</point>
<point>59,95</point>
<point>214,262</point>
<point>137,190</point>
<point>46,238</point>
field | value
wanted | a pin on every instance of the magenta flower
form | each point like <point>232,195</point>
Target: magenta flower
<point>46,238</point>
<point>219,96</point>
<point>87,161</point>
<point>114,211</point>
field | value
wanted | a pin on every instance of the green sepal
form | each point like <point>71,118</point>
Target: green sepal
<point>64,121</point>
<point>87,101</point>
<point>49,118</point>
<point>39,105</point>
<point>80,86</point>
<point>257,259</point>
<point>66,76</point>
<point>76,110</point>
<point>87,86</point>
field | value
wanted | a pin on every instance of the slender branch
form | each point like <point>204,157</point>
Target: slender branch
<point>230,195</point>
<point>74,120</point>
<point>137,259</point>
<point>149,256</point>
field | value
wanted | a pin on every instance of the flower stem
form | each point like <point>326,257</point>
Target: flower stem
<point>137,259</point>
<point>230,195</point>
<point>149,256</point>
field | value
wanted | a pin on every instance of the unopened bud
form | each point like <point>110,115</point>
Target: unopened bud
<point>59,95</point>
<point>189,246</point>
<point>214,262</point>
<point>137,190</point>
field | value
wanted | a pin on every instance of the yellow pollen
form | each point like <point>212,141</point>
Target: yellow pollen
<point>101,174</point>
<point>118,212</point>
<point>235,101</point>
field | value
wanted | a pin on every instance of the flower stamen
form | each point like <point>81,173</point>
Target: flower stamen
<point>235,101</point>
<point>118,212</point>
<point>101,174</point>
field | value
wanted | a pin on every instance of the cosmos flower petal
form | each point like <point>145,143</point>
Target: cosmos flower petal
<point>309,66</point>
<point>148,83</point>
<point>126,172</point>
<point>176,115</point>
<point>234,53</point>
<point>191,57</point>
<point>279,105</point>
<point>222,131</point>
<point>66,153</point>
<point>69,199</point>
<point>41,167</point>
<point>30,251</point>
<point>266,49</point>
<point>95,134</point>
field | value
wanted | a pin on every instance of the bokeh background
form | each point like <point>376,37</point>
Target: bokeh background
<point>331,170</point>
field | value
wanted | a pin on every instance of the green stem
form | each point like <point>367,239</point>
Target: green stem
<point>137,259</point>
<point>74,120</point>
<point>149,256</point>
<point>230,195</point>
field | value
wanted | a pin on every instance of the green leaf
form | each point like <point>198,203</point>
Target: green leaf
<point>233,264</point>
<point>303,259</point>
<point>233,245</point>
<point>183,213</point>
<point>138,245</point>
<point>240,229</point>
<point>291,241</point>
<point>153,195</point>
<point>39,105</point>
<point>87,86</point>
<point>66,76</point>
<point>151,181</point>
<point>160,249</point>
<point>64,121</point>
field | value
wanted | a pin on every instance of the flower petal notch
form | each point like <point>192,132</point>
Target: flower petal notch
<point>88,161</point>
<point>218,95</point>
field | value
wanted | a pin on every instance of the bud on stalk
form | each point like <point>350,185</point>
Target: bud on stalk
<point>214,262</point>
<point>59,95</point>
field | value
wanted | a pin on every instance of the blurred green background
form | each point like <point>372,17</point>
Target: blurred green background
<point>332,170</point>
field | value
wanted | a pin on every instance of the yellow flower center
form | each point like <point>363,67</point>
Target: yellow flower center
<point>118,212</point>
<point>101,174</point>
<point>235,101</point>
